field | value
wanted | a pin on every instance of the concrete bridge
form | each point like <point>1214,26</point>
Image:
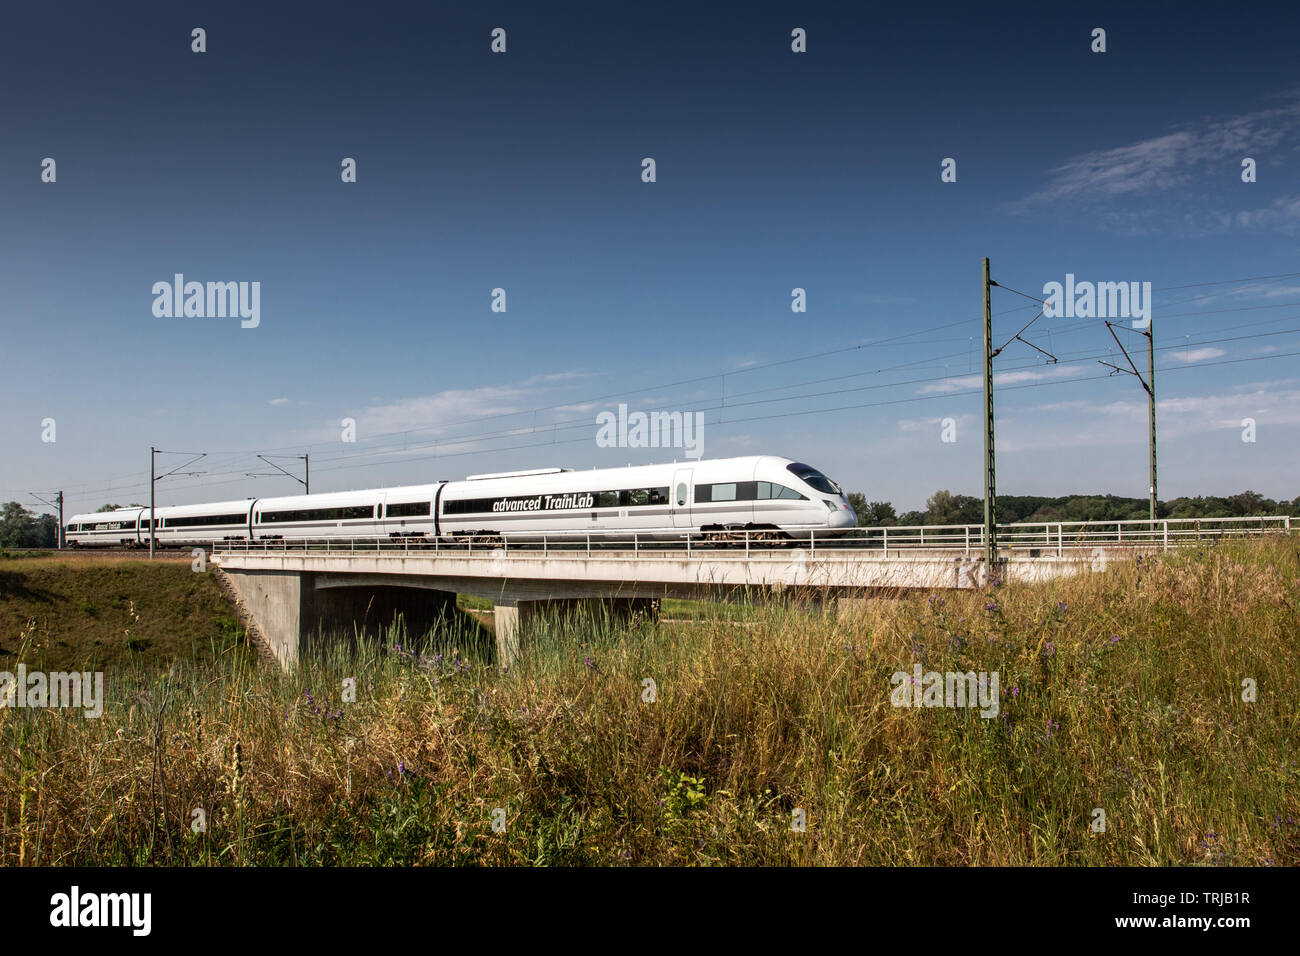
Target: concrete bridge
<point>295,590</point>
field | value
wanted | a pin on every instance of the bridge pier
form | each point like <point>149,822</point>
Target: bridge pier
<point>294,611</point>
<point>512,619</point>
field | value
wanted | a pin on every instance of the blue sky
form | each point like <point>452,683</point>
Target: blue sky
<point>522,171</point>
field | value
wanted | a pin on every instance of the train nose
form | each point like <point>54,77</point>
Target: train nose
<point>842,517</point>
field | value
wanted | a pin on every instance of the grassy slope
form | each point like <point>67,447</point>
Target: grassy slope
<point>101,612</point>
<point>1120,691</point>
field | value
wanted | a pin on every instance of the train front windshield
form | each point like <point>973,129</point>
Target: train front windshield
<point>814,478</point>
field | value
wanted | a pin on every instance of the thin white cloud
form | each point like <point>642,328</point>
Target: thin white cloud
<point>1279,291</point>
<point>444,409</point>
<point>1265,403</point>
<point>278,401</point>
<point>1198,355</point>
<point>1160,163</point>
<point>1084,424</point>
<point>1257,290</point>
<point>1130,188</point>
<point>452,414</point>
<point>964,382</point>
<point>1283,214</point>
<point>935,424</point>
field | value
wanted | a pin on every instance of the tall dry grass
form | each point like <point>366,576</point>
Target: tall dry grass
<point>1120,691</point>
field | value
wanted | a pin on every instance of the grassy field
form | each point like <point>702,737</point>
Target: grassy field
<point>107,611</point>
<point>1120,692</point>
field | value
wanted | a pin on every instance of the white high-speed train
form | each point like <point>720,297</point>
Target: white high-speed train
<point>760,493</point>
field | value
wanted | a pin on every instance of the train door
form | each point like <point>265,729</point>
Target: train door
<point>681,497</point>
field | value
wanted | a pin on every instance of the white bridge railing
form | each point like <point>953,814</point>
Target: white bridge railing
<point>1034,538</point>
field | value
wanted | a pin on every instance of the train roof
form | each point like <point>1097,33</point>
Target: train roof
<point>345,497</point>
<point>206,508</point>
<point>660,473</point>
<point>103,515</point>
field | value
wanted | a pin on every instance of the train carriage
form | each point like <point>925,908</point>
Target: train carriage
<point>181,525</point>
<point>120,528</point>
<point>381,512</point>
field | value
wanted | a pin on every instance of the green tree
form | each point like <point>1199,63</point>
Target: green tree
<point>943,507</point>
<point>880,513</point>
<point>871,514</point>
<point>859,503</point>
<point>47,531</point>
<point>19,528</point>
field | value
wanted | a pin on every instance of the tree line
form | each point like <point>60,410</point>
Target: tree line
<point>943,507</point>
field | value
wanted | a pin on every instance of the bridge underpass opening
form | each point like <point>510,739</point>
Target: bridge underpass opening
<point>296,616</point>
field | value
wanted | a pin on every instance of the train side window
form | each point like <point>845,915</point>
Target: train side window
<point>704,494</point>
<point>724,492</point>
<point>607,499</point>
<point>639,496</point>
<point>658,496</point>
<point>764,491</point>
<point>784,492</point>
<point>681,494</point>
